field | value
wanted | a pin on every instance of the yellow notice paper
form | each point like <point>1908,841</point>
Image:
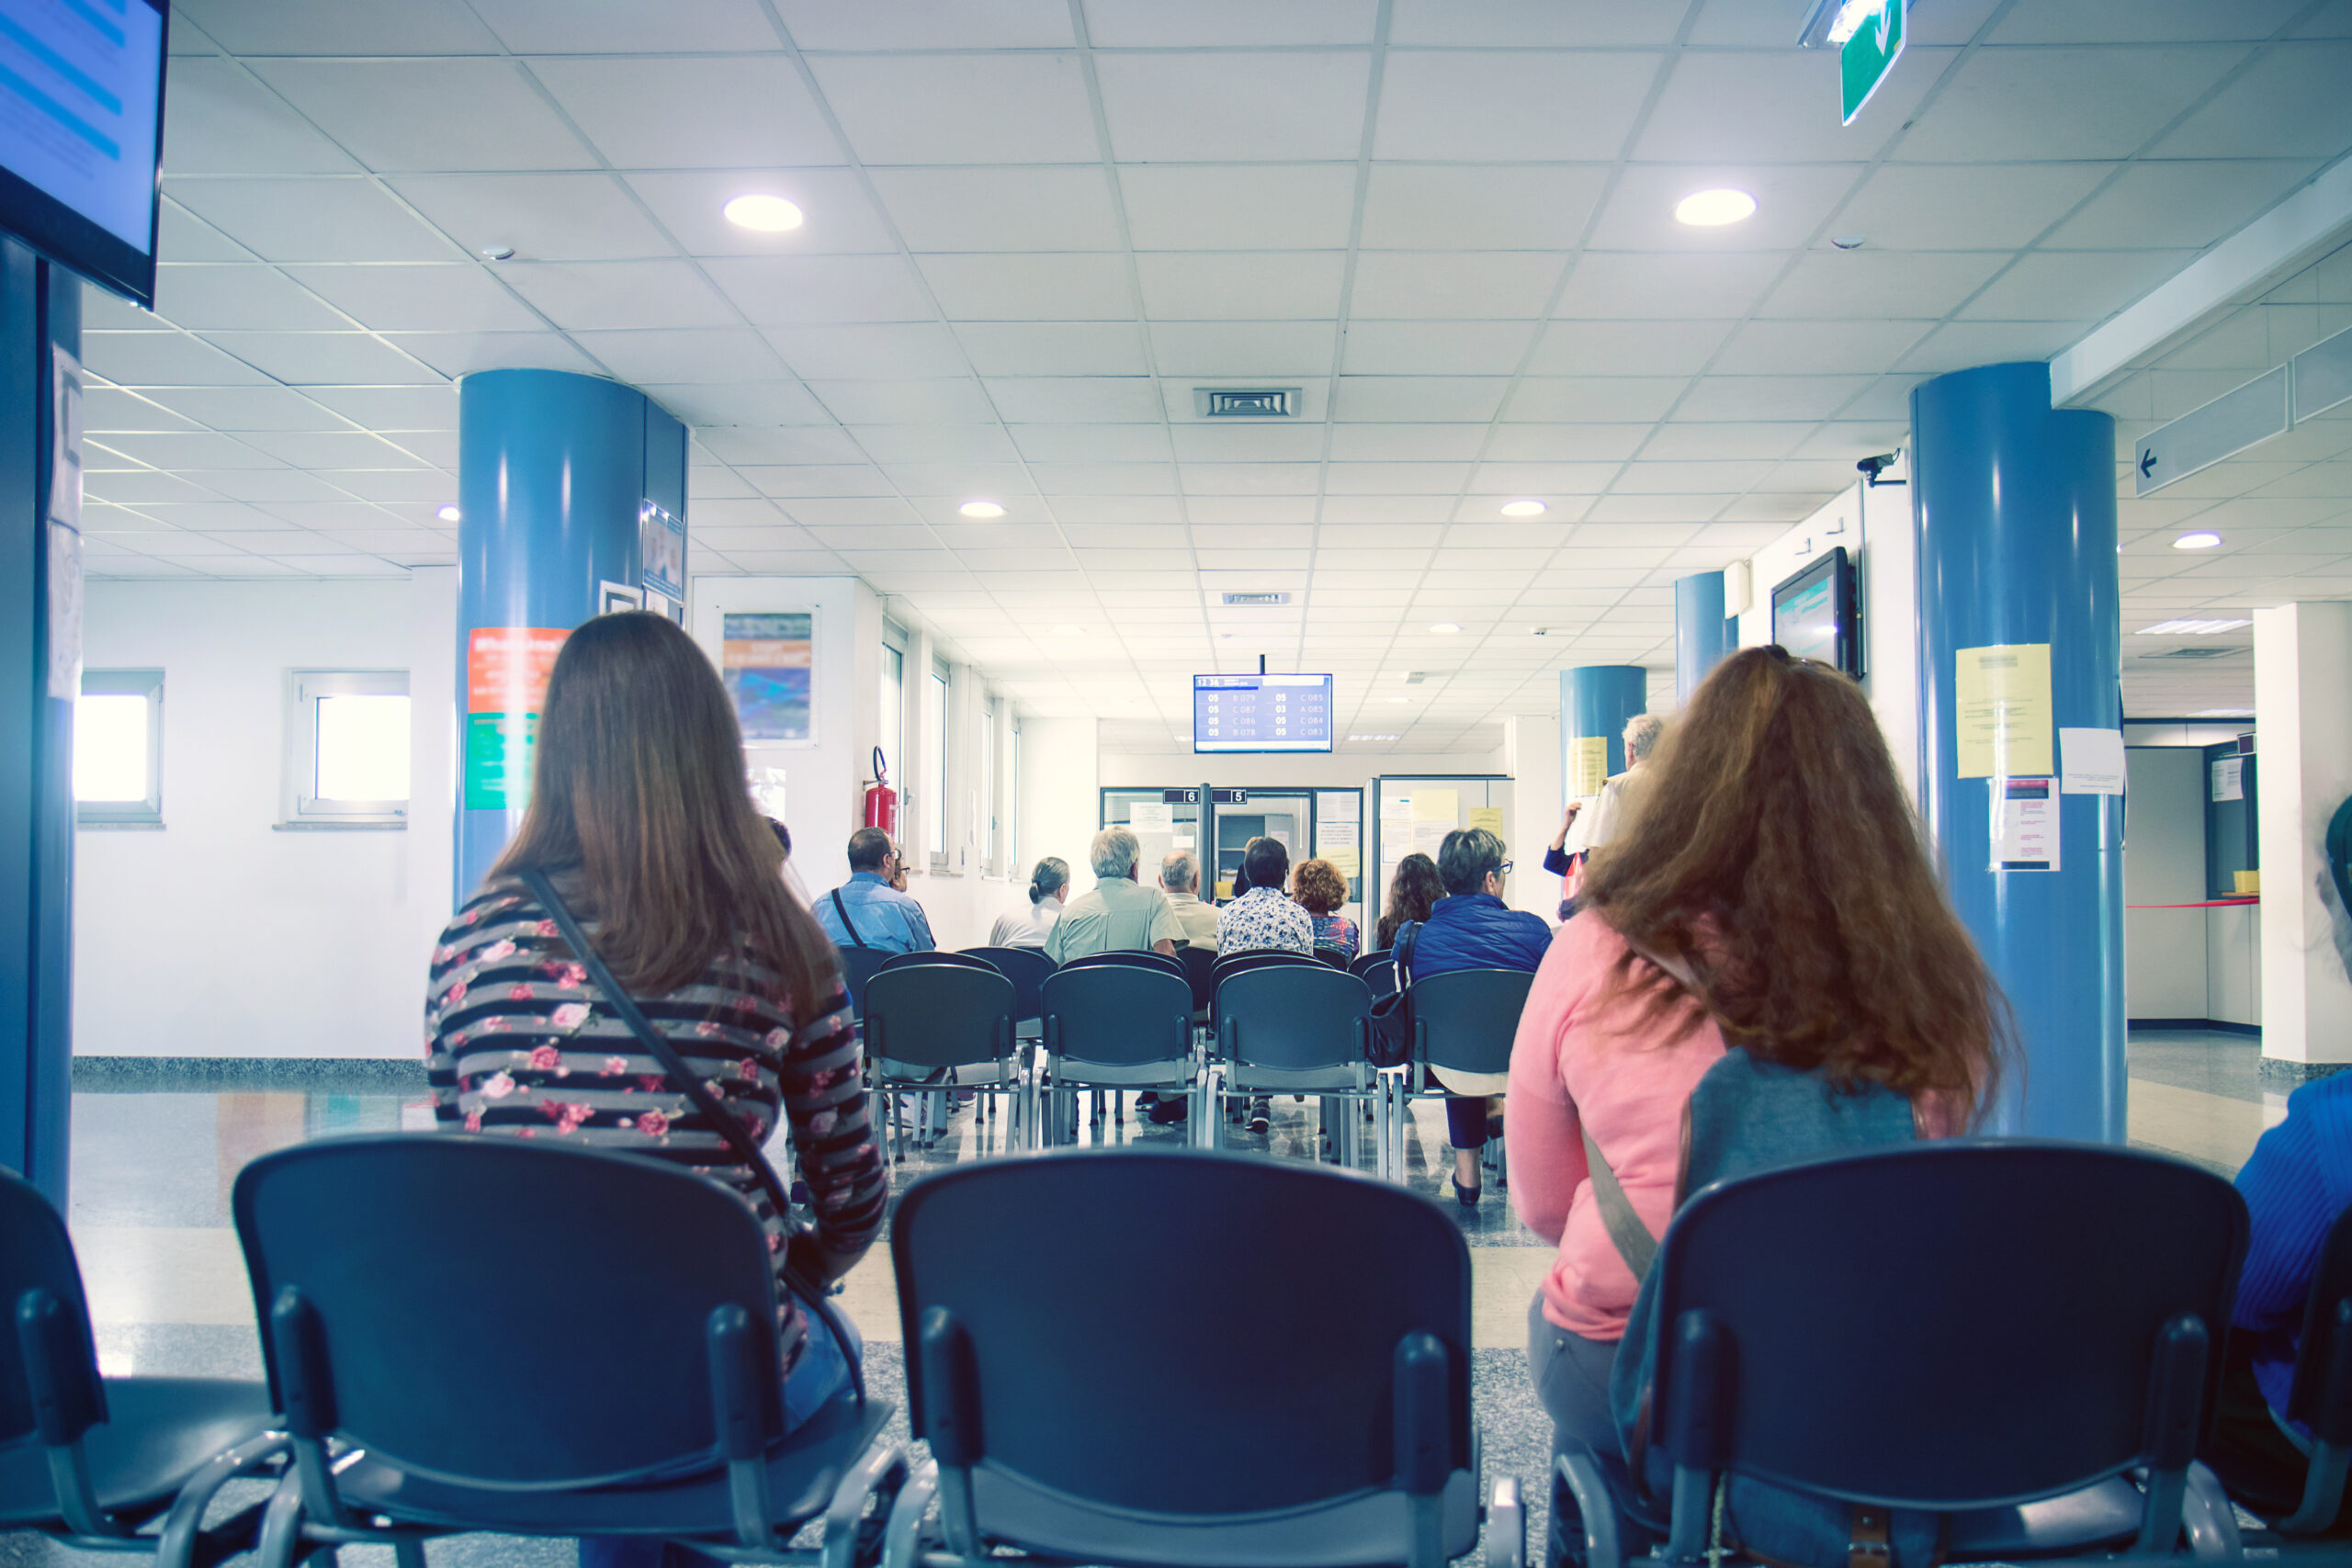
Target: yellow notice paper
<point>1438,805</point>
<point>1588,765</point>
<point>2004,722</point>
<point>1344,862</point>
<point>1490,817</point>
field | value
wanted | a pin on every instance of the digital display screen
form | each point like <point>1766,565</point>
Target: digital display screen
<point>1805,619</point>
<point>1262,713</point>
<point>81,104</point>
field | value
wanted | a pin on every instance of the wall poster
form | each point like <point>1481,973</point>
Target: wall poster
<point>506,685</point>
<point>768,661</point>
<point>662,551</point>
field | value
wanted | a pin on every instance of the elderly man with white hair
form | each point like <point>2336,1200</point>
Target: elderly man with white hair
<point>1120,912</point>
<point>1180,880</point>
<point>1619,795</point>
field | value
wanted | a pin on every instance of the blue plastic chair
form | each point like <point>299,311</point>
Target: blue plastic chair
<point>1994,1332</point>
<point>1094,1382</point>
<point>536,1340</point>
<point>92,1459</point>
<point>929,1025</point>
<point>1464,1022</point>
<point>1134,957</point>
<point>1296,1027</point>
<point>1027,968</point>
<point>858,966</point>
<point>1114,1027</point>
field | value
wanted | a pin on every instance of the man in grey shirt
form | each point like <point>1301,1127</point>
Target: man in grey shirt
<point>1119,913</point>
<point>1180,879</point>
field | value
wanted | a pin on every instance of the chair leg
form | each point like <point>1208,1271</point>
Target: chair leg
<point>2209,1521</point>
<point>280,1541</point>
<point>408,1552</point>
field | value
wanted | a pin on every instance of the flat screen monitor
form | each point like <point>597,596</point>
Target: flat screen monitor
<point>1813,612</point>
<point>1262,713</point>
<point>81,134</point>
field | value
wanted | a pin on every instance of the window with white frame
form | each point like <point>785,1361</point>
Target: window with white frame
<point>119,748</point>
<point>935,771</point>
<point>890,731</point>
<point>347,748</point>
<point>1012,808</point>
<point>987,823</point>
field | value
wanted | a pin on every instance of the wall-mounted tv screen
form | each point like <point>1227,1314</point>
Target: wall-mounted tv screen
<point>1814,614</point>
<point>81,134</point>
<point>1262,713</point>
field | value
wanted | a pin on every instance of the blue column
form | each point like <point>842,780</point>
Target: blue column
<point>2015,506</point>
<point>41,312</point>
<point>556,474</point>
<point>1594,701</point>
<point>1702,634</point>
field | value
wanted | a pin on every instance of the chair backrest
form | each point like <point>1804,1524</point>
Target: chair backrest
<point>1946,1325</point>
<point>934,956</point>
<point>1365,961</point>
<point>1117,1014</point>
<point>2328,1335</point>
<point>939,1015</point>
<point>1380,977</point>
<point>1230,964</point>
<point>1464,1020</point>
<point>859,964</point>
<point>1043,1308</point>
<point>1334,957</point>
<point>36,1255</point>
<point>1200,963</point>
<point>369,1253</point>
<point>1294,1016</point>
<point>1027,967</point>
<point>1129,956</point>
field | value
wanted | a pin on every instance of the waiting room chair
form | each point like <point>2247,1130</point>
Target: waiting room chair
<point>477,1332</point>
<point>858,966</point>
<point>1295,1028</point>
<point>1335,957</point>
<point>1140,958</point>
<point>1999,1333</point>
<point>932,1026</point>
<point>936,955</point>
<point>1114,1027</point>
<point>1027,967</point>
<point>1229,963</point>
<point>1380,976</point>
<point>1362,962</point>
<point>91,1460</point>
<point>1200,963</point>
<point>2321,1395</point>
<point>1464,1022</point>
<point>1096,1389</point>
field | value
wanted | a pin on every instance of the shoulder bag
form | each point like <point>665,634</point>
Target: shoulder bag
<point>738,1138</point>
<point>843,910</point>
<point>1390,1043</point>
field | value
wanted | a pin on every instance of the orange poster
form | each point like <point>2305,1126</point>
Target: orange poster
<point>508,668</point>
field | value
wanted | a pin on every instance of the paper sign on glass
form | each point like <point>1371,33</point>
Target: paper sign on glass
<point>2229,779</point>
<point>2091,762</point>
<point>1588,765</point>
<point>2025,826</point>
<point>2003,725</point>
<point>1490,817</point>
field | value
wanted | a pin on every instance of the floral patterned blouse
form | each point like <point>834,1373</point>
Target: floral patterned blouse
<point>519,1041</point>
<point>1337,931</point>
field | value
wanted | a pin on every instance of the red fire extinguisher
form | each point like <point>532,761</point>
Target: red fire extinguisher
<point>881,800</point>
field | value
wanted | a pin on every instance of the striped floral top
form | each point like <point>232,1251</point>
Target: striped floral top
<point>519,1041</point>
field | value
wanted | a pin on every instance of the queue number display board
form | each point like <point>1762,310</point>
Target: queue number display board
<point>1262,713</point>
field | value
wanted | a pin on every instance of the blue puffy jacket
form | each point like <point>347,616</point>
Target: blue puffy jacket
<point>1479,931</point>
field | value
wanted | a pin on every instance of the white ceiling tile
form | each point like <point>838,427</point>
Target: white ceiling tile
<point>689,356</point>
<point>412,297</point>
<point>326,449</point>
<point>1807,348</point>
<point>936,108</point>
<point>1406,443</point>
<point>1243,440</point>
<point>402,115</point>
<point>782,291</point>
<point>940,401</point>
<point>1470,284</point>
<point>1541,480</point>
<point>461,353</point>
<point>2040,103</point>
<point>1626,348</point>
<point>742,111</point>
<point>1249,479</point>
<point>1767,105</point>
<point>1241,522</point>
<point>1267,207</point>
<point>2290,103</point>
<point>1012,287</point>
<point>1090,443</point>
<point>773,401</point>
<point>203,297</point>
<point>2143,21</point>
<point>219,120</point>
<point>887,352</point>
<point>798,482</point>
<point>1437,348</point>
<point>312,219</point>
<point>1607,399</point>
<point>1511,207</point>
<point>201,449</point>
<point>1616,287</point>
<point>1567,442</point>
<point>162,359</point>
<point>558,27</point>
<point>1231,350</point>
<point>394,484</point>
<point>2084,286</point>
<point>1917,207</point>
<point>1092,479</point>
<point>1075,400</point>
<point>780,444</point>
<point>1000,208</point>
<point>1387,399</point>
<point>1769,397</point>
<point>1233,106</point>
<point>1680,442</point>
<point>1053,348</point>
<point>1511,107</point>
<point>1832,285</point>
<point>340,26</point>
<point>1394,479</point>
<point>593,295</point>
<point>550,217</point>
<point>106,410</point>
<point>1245,286</point>
<point>1685,478</point>
<point>929,24</point>
<point>377,408</point>
<point>1532,24</point>
<point>1156,24</point>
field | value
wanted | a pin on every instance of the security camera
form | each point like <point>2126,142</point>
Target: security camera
<point>1872,467</point>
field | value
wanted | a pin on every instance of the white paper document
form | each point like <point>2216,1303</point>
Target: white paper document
<point>2229,779</point>
<point>2091,762</point>
<point>2025,825</point>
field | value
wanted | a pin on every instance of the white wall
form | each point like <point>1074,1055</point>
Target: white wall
<point>2164,863</point>
<point>1532,758</point>
<point>2302,662</point>
<point>221,934</point>
<point>1062,775</point>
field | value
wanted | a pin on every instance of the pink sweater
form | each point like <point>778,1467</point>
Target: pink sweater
<point>1583,1058</point>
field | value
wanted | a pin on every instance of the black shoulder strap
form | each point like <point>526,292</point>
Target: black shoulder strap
<point>843,910</point>
<point>1407,935</point>
<point>690,1083</point>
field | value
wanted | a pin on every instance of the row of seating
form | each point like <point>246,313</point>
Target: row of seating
<point>1270,1023</point>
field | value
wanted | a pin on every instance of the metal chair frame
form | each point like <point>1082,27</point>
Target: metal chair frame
<point>1012,1061</point>
<point>1343,1073</point>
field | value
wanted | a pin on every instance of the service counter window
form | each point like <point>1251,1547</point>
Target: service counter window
<point>118,749</point>
<point>347,748</point>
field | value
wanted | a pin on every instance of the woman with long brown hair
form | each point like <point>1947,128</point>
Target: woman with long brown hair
<point>1413,892</point>
<point>1770,896</point>
<point>641,823</point>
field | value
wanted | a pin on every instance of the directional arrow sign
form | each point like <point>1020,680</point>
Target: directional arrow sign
<point>2202,437</point>
<point>1866,58</point>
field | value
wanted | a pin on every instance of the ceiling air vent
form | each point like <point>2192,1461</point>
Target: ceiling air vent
<point>1256,598</point>
<point>1245,402</point>
<point>2194,653</point>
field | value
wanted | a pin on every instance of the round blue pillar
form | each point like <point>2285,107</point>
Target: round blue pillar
<point>1594,701</point>
<point>2015,506</point>
<point>1702,634</point>
<point>563,483</point>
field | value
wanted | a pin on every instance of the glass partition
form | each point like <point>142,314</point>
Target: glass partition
<point>1416,814</point>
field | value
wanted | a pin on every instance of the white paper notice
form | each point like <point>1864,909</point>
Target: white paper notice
<point>2229,779</point>
<point>2091,762</point>
<point>2025,825</point>
<point>1151,817</point>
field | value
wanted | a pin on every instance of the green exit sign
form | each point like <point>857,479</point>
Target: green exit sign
<point>1865,58</point>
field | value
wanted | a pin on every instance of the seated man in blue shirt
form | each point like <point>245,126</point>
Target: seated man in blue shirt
<point>1472,928</point>
<point>867,911</point>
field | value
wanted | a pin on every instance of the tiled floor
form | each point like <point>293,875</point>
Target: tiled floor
<point>153,1168</point>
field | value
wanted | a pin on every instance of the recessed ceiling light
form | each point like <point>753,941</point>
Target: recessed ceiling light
<point>1714,208</point>
<point>981,509</point>
<point>2190,628</point>
<point>1522,509</point>
<point>2198,541</point>
<point>448,514</point>
<point>1445,628</point>
<point>763,214</point>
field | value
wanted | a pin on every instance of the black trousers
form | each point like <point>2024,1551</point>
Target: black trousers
<point>2257,1463</point>
<point>1465,1117</point>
